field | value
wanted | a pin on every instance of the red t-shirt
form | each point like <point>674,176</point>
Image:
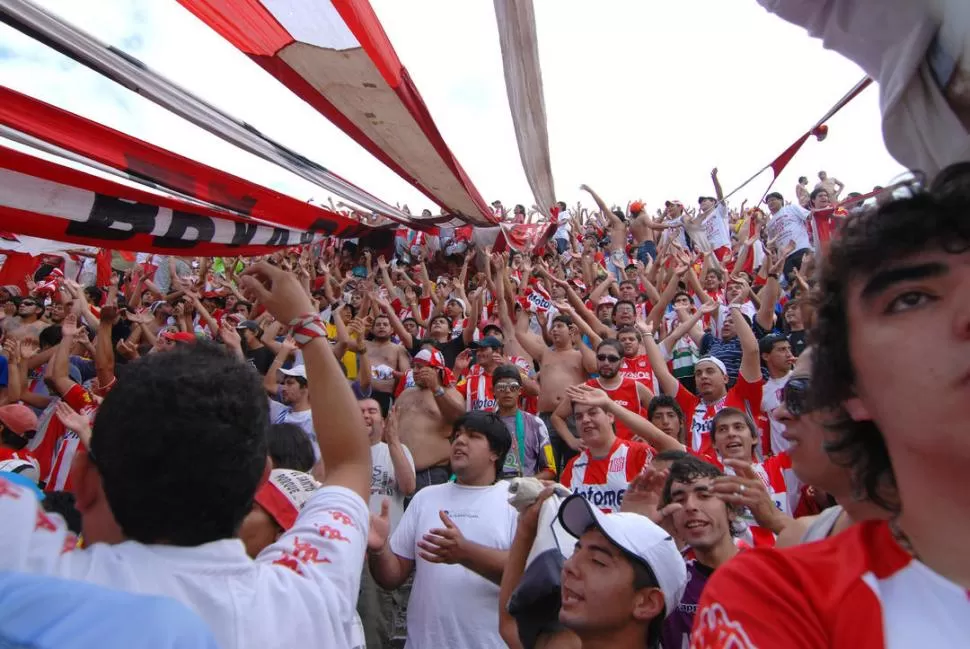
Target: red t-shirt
<point>859,589</point>
<point>603,481</point>
<point>639,369</point>
<point>745,396</point>
<point>627,396</point>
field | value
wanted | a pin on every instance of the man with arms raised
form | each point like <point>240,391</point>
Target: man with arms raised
<point>455,537</point>
<point>177,504</point>
<point>425,415</point>
<point>890,381</point>
<point>386,358</point>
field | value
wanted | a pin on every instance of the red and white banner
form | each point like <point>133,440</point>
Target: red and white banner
<point>335,55</point>
<point>48,200</point>
<point>142,160</point>
<point>524,237</point>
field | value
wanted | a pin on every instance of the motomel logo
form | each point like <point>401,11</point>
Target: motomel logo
<point>483,404</point>
<point>604,499</point>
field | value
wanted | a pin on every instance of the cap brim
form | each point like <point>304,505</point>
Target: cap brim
<point>576,516</point>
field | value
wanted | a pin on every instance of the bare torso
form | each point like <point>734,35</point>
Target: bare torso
<point>640,229</point>
<point>389,355</point>
<point>423,430</point>
<point>560,369</point>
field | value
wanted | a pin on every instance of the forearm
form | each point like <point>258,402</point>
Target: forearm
<point>511,576</point>
<point>388,570</point>
<point>104,355</point>
<point>450,405</point>
<point>484,561</point>
<point>642,428</point>
<point>403,471</point>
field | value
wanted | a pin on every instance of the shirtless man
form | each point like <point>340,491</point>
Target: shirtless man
<point>28,324</point>
<point>560,367</point>
<point>386,358</point>
<point>616,259</point>
<point>830,184</point>
<point>426,413</point>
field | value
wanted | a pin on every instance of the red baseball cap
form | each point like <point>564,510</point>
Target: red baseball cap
<point>180,336</point>
<point>19,419</point>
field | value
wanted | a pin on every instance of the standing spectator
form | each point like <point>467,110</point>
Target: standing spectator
<point>455,538</point>
<point>178,505</point>
<point>801,191</point>
<point>832,185</point>
<point>788,227</point>
<point>777,356</point>
<point>255,352</point>
<point>531,452</point>
<point>293,405</point>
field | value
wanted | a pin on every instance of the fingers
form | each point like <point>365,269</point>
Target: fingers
<point>444,519</point>
<point>742,468</point>
<point>385,507</point>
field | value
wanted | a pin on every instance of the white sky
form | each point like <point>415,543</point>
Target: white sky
<point>643,98</point>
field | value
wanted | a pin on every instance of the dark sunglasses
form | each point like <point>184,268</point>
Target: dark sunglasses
<point>795,396</point>
<point>603,358</point>
<point>507,387</point>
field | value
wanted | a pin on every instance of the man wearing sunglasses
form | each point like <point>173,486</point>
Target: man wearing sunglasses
<point>531,453</point>
<point>776,354</point>
<point>631,394</point>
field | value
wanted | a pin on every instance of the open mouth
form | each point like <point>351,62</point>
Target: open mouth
<point>734,446</point>
<point>696,525</point>
<point>570,597</point>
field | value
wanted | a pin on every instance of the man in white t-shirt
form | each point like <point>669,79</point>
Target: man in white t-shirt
<point>455,537</point>
<point>715,215</point>
<point>788,227</point>
<point>563,228</point>
<point>392,480</point>
<point>162,502</point>
<point>289,401</point>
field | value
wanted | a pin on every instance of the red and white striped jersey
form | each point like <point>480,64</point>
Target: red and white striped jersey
<point>745,396</point>
<point>773,474</point>
<point>639,369</point>
<point>603,481</point>
<point>859,589</point>
<point>60,476</point>
<point>477,389</point>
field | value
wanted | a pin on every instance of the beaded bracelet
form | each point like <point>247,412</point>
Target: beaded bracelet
<point>306,327</point>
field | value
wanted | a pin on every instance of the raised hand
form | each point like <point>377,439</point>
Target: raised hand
<point>75,421</point>
<point>588,395</point>
<point>280,292</point>
<point>444,544</point>
<point>69,326</point>
<point>380,528</point>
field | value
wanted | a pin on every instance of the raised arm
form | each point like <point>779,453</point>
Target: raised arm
<point>750,356</point>
<point>668,384</point>
<point>639,426</point>
<point>336,417</point>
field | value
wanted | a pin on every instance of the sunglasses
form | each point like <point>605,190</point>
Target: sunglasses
<point>507,387</point>
<point>604,358</point>
<point>795,396</point>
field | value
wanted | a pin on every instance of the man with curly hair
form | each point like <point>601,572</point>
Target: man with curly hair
<point>892,379</point>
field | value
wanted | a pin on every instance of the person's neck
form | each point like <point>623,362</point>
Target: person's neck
<point>861,510</point>
<point>508,412</point>
<point>440,337</point>
<point>778,373</point>
<point>485,479</point>
<point>716,555</point>
<point>795,328</point>
<point>254,344</point>
<point>380,342</point>
<point>302,405</point>
<point>28,319</point>
<point>711,400</point>
<point>559,346</point>
<point>602,450</point>
<point>935,499</point>
<point>628,636</point>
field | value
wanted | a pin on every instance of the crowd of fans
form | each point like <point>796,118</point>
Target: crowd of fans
<point>614,439</point>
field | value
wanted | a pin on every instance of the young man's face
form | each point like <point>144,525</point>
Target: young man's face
<point>711,281</point>
<point>683,301</point>
<point>908,339</point>
<point>604,313</point>
<point>411,326</point>
<point>597,585</point>
<point>507,393</point>
<point>373,421</point>
<point>470,451</point>
<point>440,326</point>
<point>381,328</point>
<point>292,391</point>
<point>733,439</point>
<point>625,315</point>
<point>628,292</point>
<point>711,381</point>
<point>780,358</point>
<point>666,419</point>
<point>631,346</point>
<point>774,204</point>
<point>559,331</point>
<point>593,423</point>
<point>608,361</point>
<point>704,519</point>
<point>706,204</point>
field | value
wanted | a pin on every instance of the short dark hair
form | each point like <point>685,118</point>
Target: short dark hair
<point>724,413</point>
<point>687,470</point>
<point>95,294</point>
<point>611,342</point>
<point>565,319</point>
<point>928,218</point>
<point>818,191</point>
<point>775,195</point>
<point>49,336</point>
<point>664,401</point>
<point>803,179</point>
<point>506,371</point>
<point>493,428</point>
<point>65,504</point>
<point>671,455</point>
<point>486,331</point>
<point>290,448</point>
<point>616,305</point>
<point>767,344</point>
<point>444,317</point>
<point>190,475</point>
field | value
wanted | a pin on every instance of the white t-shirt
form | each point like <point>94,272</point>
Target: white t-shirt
<point>301,589</point>
<point>451,606</point>
<point>716,228</point>
<point>770,401</point>
<point>563,225</point>
<point>383,482</point>
<point>748,309</point>
<point>282,414</point>
<point>788,224</point>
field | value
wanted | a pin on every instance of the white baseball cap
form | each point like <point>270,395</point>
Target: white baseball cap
<point>296,370</point>
<point>640,538</point>
<point>715,361</point>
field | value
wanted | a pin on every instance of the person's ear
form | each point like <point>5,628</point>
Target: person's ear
<point>648,604</point>
<point>86,481</point>
<point>857,409</point>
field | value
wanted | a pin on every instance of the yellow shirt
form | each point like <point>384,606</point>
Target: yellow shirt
<point>349,359</point>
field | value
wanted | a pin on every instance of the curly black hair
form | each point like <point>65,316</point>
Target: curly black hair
<point>181,445</point>
<point>932,218</point>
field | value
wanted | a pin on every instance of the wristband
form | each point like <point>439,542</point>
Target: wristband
<point>306,327</point>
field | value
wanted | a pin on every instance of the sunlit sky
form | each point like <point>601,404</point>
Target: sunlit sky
<point>643,98</point>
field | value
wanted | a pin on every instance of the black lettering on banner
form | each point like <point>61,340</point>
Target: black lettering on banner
<point>244,233</point>
<point>280,237</point>
<point>109,211</point>
<point>323,225</point>
<point>178,229</point>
